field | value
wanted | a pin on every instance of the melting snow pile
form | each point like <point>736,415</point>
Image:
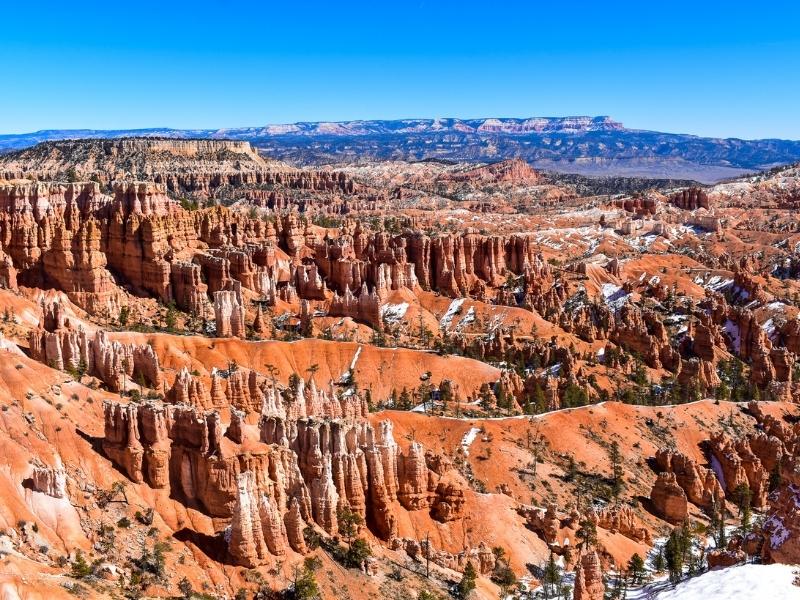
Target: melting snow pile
<point>754,582</point>
<point>715,283</point>
<point>468,318</point>
<point>779,533</point>
<point>452,310</point>
<point>614,295</point>
<point>732,329</point>
<point>347,376</point>
<point>394,313</point>
<point>468,438</point>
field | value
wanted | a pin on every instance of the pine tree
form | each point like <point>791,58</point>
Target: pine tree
<point>467,583</point>
<point>305,585</point>
<point>538,402</point>
<point>674,555</point>
<point>745,518</point>
<point>551,578</point>
<point>659,560</point>
<point>717,524</point>
<point>743,498</point>
<point>587,533</point>
<point>636,569</point>
<point>615,457</point>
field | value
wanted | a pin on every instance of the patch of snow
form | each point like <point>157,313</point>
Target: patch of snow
<point>778,532</point>
<point>614,295</point>
<point>452,311</point>
<point>752,581</point>
<point>769,327</point>
<point>468,438</point>
<point>347,377</point>
<point>674,319</point>
<point>355,359</point>
<point>10,346</point>
<point>732,329</point>
<point>394,313</point>
<point>468,318</point>
<point>717,283</point>
<point>554,370</point>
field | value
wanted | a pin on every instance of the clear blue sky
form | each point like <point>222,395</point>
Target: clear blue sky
<point>710,68</point>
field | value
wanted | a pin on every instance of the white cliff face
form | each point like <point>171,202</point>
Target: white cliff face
<point>229,312</point>
<point>50,480</point>
<point>325,499</point>
<point>246,542</point>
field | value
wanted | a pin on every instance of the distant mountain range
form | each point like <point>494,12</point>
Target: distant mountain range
<point>593,146</point>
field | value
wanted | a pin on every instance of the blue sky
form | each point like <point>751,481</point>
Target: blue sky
<point>709,68</point>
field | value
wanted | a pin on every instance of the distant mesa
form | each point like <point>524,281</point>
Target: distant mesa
<point>591,146</point>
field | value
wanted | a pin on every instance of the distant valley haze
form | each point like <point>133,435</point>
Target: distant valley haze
<point>591,146</point>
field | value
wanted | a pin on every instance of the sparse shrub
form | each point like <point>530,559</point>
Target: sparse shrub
<point>80,569</point>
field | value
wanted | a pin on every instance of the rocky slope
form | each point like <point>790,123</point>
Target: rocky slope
<point>402,372</point>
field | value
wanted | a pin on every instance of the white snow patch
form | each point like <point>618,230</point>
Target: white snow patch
<point>355,359</point>
<point>717,283</point>
<point>755,582</point>
<point>452,311</point>
<point>674,319</point>
<point>347,377</point>
<point>732,329</point>
<point>468,438</point>
<point>778,532</point>
<point>553,371</point>
<point>394,313</point>
<point>468,318</point>
<point>614,295</point>
<point>769,327</point>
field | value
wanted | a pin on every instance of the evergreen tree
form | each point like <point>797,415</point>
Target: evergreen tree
<point>615,457</point>
<point>775,478</point>
<point>305,585</point>
<point>673,553</point>
<point>572,469</point>
<point>502,574</point>
<point>587,533</point>
<point>467,583</point>
<point>575,396</point>
<point>636,569</point>
<point>743,499</point>
<point>405,400</point>
<point>659,560</point>
<point>551,578</point>
<point>349,523</point>
<point>538,400</point>
<point>717,524</point>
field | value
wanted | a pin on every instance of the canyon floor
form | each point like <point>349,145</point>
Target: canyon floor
<point>223,376</point>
